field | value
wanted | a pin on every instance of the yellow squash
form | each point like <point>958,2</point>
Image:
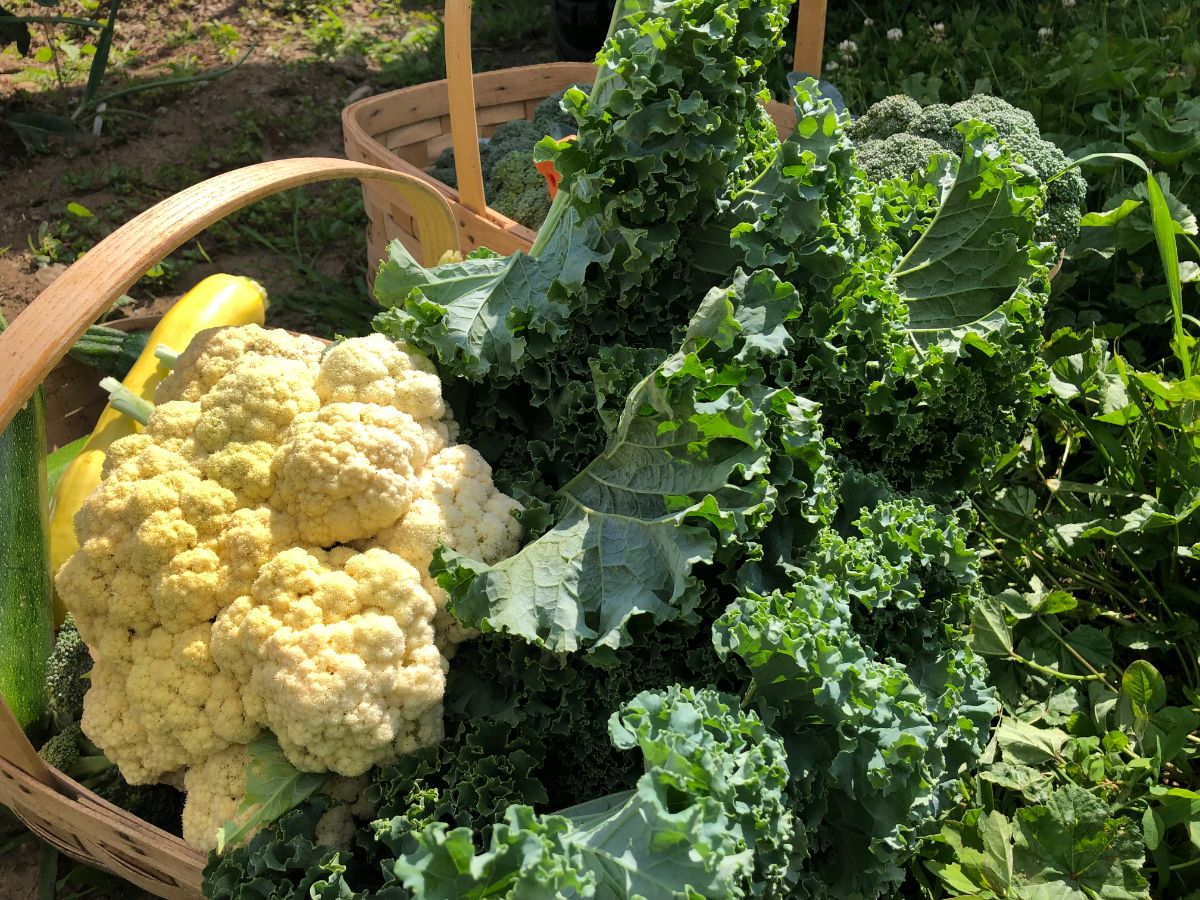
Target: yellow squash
<point>216,301</point>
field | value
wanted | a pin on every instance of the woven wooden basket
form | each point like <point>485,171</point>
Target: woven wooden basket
<point>60,811</point>
<point>406,130</point>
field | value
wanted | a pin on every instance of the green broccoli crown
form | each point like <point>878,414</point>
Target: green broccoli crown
<point>519,191</point>
<point>62,750</point>
<point>897,155</point>
<point>891,115</point>
<point>898,125</point>
<point>67,675</point>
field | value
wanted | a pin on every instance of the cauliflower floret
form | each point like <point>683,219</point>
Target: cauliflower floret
<point>213,353</point>
<point>339,647</point>
<point>456,504</point>
<point>348,471</point>
<point>215,789</point>
<point>245,468</point>
<point>375,370</point>
<point>256,401</point>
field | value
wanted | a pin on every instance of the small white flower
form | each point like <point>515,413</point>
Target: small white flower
<point>1044,34</point>
<point>832,66</point>
<point>848,48</point>
<point>894,34</point>
<point>939,32</point>
<point>868,22</point>
<point>1068,4</point>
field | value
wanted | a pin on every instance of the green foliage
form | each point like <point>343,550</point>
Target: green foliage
<point>746,387</point>
<point>273,786</point>
<point>860,665</point>
<point>706,814</point>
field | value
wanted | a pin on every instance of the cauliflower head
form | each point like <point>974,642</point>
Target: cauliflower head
<point>258,558</point>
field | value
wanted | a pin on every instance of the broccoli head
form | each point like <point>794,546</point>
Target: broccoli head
<point>897,155</point>
<point>519,191</point>
<point>518,135</point>
<point>67,674</point>
<point>896,136</point>
<point>891,115</point>
<point>62,750</point>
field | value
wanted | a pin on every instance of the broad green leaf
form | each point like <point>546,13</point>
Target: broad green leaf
<point>1142,684</point>
<point>273,786</point>
<point>975,253</point>
<point>1028,744</point>
<point>712,793</point>
<point>483,312</point>
<point>1111,216</point>
<point>991,634</point>
<point>1071,848</point>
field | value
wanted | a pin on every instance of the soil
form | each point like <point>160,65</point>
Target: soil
<point>283,101</point>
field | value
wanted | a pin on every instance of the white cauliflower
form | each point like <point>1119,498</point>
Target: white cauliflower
<point>257,558</point>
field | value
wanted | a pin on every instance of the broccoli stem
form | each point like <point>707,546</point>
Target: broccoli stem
<point>560,203</point>
<point>166,355</point>
<point>125,401</point>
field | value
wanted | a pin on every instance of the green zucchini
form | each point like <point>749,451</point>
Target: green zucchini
<point>110,350</point>
<point>26,596</point>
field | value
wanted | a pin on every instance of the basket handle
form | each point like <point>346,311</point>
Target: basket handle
<point>460,87</point>
<point>810,37</point>
<point>41,335</point>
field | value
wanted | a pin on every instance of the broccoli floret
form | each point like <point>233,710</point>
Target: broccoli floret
<point>1010,122</point>
<point>897,156</point>
<point>443,168</point>
<point>891,115</point>
<point>550,118</point>
<point>62,750</point>
<point>67,674</point>
<point>896,126</point>
<point>159,804</point>
<point>519,191</point>
<point>936,123</point>
<point>74,755</point>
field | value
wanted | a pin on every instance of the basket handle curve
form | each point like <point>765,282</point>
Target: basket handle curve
<point>460,88</point>
<point>41,335</point>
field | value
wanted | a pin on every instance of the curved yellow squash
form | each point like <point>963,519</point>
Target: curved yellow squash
<point>216,301</point>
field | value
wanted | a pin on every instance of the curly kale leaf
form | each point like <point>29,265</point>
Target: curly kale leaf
<point>922,352</point>
<point>861,667</point>
<point>708,815</point>
<point>689,466</point>
<point>671,125</point>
